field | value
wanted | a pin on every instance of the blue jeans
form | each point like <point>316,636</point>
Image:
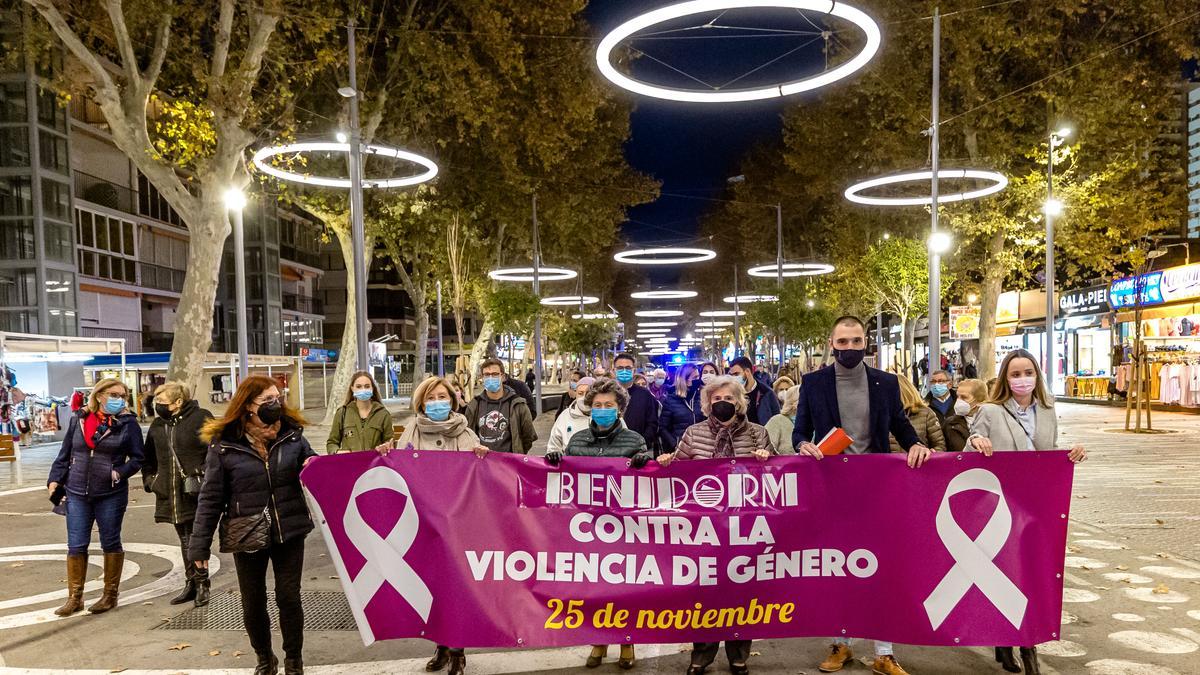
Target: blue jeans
<point>881,648</point>
<point>106,512</point>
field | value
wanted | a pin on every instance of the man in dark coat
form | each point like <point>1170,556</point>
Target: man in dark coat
<point>941,398</point>
<point>523,391</point>
<point>865,403</point>
<point>763,404</point>
<point>642,413</point>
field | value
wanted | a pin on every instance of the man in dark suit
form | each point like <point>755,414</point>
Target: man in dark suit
<point>865,403</point>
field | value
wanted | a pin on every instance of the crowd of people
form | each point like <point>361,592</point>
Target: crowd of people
<point>237,476</point>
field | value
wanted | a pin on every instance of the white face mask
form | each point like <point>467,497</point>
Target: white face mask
<point>961,407</point>
<point>707,377</point>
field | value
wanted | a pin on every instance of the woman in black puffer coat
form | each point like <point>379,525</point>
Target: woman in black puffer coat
<point>175,454</point>
<point>101,451</point>
<point>680,407</point>
<point>253,468</point>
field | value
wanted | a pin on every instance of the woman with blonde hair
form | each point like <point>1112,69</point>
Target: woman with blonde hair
<point>1019,416</point>
<point>779,427</point>
<point>438,427</point>
<point>680,407</point>
<point>923,419</point>
<point>781,385</point>
<point>252,488</point>
<point>99,454</point>
<point>726,433</point>
<point>173,471</point>
<point>362,422</point>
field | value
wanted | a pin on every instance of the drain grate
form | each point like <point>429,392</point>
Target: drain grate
<point>323,610</point>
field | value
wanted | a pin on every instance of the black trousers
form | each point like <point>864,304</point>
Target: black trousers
<point>184,530</point>
<point>453,651</point>
<point>287,560</point>
<point>737,651</point>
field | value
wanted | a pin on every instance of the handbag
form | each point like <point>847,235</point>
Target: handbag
<point>245,534</point>
<point>191,483</point>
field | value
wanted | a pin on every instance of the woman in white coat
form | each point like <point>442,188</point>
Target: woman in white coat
<point>1019,416</point>
<point>573,419</point>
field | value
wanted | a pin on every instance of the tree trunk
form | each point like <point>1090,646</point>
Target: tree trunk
<point>194,323</point>
<point>422,346</point>
<point>480,350</point>
<point>347,363</point>
<point>989,297</point>
<point>908,328</point>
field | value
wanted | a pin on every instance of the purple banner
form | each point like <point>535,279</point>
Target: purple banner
<point>506,551</point>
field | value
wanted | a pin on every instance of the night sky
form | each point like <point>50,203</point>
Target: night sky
<point>694,148</point>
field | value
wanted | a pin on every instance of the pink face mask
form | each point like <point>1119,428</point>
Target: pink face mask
<point>1022,386</point>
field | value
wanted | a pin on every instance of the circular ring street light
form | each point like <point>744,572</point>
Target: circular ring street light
<point>663,295</point>
<point>589,316</point>
<point>670,255</point>
<point>790,270</point>
<point>721,313</point>
<point>999,182</point>
<point>711,330</point>
<point>714,324</point>
<point>570,300</point>
<point>670,12</point>
<point>263,154</point>
<point>753,297</point>
<point>657,324</point>
<point>659,313</point>
<point>526,274</point>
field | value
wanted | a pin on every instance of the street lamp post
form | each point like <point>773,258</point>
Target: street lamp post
<point>235,201</point>
<point>1051,209</point>
<point>934,330</point>
<point>441,353</point>
<point>357,233</point>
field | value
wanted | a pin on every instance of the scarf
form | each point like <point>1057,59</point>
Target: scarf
<point>91,427</point>
<point>450,428</point>
<point>724,434</point>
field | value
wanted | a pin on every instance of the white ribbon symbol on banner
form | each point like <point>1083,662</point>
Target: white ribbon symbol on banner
<point>973,564</point>
<point>385,556</point>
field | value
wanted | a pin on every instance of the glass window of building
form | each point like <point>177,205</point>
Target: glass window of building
<point>58,241</point>
<point>12,103</point>
<point>52,150</point>
<point>18,287</point>
<point>19,322</point>
<point>62,322</point>
<point>107,247</point>
<point>14,147</point>
<point>16,239</point>
<point>56,200</point>
<point>16,196</point>
<point>50,112</point>
<point>60,289</point>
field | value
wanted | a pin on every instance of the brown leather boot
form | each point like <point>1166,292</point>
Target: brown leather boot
<point>839,656</point>
<point>76,576</point>
<point>113,562</point>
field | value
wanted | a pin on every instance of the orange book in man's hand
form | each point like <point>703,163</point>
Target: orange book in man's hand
<point>835,442</point>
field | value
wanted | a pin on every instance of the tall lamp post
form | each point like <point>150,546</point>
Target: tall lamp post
<point>235,201</point>
<point>1052,209</point>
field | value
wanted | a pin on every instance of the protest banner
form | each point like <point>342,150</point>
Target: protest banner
<point>506,551</point>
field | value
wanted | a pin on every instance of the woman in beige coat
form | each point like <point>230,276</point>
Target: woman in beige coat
<point>924,421</point>
<point>1018,417</point>
<point>438,427</point>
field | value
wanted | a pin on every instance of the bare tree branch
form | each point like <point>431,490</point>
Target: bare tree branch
<point>224,35</point>
<point>129,61</point>
<point>104,85</point>
<point>238,95</point>
<point>162,36</point>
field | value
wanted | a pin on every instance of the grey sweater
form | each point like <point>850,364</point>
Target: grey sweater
<point>854,407</point>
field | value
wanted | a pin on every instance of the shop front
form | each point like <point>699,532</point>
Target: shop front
<point>1085,322</point>
<point>1169,328</point>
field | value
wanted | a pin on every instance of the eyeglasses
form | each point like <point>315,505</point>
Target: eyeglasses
<point>267,402</point>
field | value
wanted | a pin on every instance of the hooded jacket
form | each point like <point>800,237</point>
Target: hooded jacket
<point>167,439</point>
<point>351,433</point>
<point>239,482</point>
<point>87,472</point>
<point>925,422</point>
<point>450,434</point>
<point>485,417</point>
<point>576,418</point>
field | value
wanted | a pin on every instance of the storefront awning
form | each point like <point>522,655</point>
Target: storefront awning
<point>32,348</point>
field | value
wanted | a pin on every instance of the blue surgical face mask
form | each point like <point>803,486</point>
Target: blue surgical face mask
<point>604,417</point>
<point>492,383</point>
<point>363,394</point>
<point>939,390</point>
<point>742,379</point>
<point>660,381</point>
<point>573,385</point>
<point>114,406</point>
<point>438,411</point>
<point>624,375</point>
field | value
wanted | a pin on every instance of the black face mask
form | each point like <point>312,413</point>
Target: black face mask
<point>849,358</point>
<point>723,411</point>
<point>163,411</point>
<point>270,413</point>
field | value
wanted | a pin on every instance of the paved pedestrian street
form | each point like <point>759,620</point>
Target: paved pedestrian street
<point>1131,602</point>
